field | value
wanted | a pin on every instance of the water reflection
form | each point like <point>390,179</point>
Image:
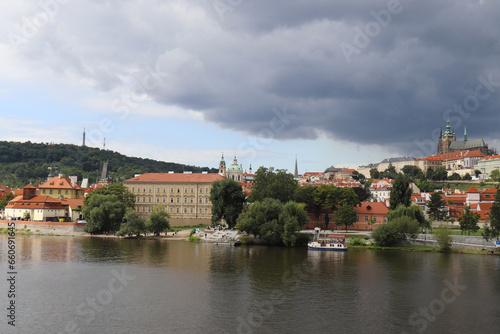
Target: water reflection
<point>183,287</point>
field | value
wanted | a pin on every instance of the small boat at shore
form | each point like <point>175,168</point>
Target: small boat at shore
<point>327,243</point>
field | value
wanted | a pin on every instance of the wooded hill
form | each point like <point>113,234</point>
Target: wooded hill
<point>24,163</point>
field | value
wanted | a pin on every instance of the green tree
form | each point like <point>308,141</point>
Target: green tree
<point>413,211</point>
<point>390,172</point>
<point>455,177</point>
<point>477,172</point>
<point>467,177</point>
<point>326,197</point>
<point>6,199</point>
<point>443,238</point>
<point>103,213</point>
<point>346,216</point>
<point>435,207</point>
<point>273,184</point>
<point>158,220</point>
<point>347,196</point>
<point>468,221</point>
<point>362,192</point>
<point>133,224</point>
<point>400,192</point>
<point>411,172</point>
<point>227,199</point>
<point>292,218</point>
<point>117,189</point>
<point>374,174</point>
<point>495,175</point>
<point>493,230</point>
<point>395,231</point>
<point>273,221</point>
<point>440,174</point>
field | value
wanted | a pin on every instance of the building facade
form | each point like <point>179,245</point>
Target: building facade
<point>186,197</point>
<point>61,187</point>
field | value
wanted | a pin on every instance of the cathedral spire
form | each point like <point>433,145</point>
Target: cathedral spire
<point>465,133</point>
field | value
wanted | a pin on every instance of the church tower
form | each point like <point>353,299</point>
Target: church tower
<point>446,139</point>
<point>222,166</point>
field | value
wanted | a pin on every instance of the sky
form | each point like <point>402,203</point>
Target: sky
<point>331,83</point>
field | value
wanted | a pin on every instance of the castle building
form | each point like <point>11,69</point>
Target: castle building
<point>448,142</point>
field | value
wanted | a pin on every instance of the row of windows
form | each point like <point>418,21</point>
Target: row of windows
<point>172,190</point>
<point>58,191</point>
<point>159,199</point>
<point>177,210</point>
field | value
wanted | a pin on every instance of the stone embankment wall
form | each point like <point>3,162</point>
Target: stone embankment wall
<point>459,241</point>
<point>46,227</point>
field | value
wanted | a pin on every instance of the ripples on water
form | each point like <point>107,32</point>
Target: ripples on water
<point>181,287</point>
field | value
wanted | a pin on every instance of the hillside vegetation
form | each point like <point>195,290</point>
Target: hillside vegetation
<point>22,163</point>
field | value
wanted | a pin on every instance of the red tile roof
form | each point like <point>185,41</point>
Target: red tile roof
<point>375,208</point>
<point>59,183</point>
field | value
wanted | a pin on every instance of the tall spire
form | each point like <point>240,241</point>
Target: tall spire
<point>296,173</point>
<point>83,137</point>
<point>465,133</point>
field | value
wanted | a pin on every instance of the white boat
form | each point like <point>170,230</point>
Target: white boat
<point>327,243</point>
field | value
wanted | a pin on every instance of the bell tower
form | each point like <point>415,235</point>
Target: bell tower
<point>222,166</point>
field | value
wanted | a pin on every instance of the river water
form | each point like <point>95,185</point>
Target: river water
<point>106,285</point>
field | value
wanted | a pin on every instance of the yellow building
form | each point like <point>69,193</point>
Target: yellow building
<point>186,197</point>
<point>61,187</point>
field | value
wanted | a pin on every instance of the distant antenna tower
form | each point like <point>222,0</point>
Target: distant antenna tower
<point>83,137</point>
<point>104,145</point>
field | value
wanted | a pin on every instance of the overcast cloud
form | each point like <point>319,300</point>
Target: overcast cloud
<point>236,61</point>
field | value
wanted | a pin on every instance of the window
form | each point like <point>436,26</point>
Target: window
<point>206,199</point>
<point>192,190</point>
<point>144,199</point>
<point>185,200</point>
<point>133,189</point>
<point>164,189</point>
<point>59,191</point>
<point>149,209</point>
<point>178,200</point>
<point>366,218</point>
<point>356,218</point>
<point>185,190</point>
<point>138,189</point>
<point>157,199</point>
<point>158,189</point>
<point>185,210</point>
<point>191,210</point>
<point>192,200</point>
<point>66,192</point>
<point>177,210</point>
<point>150,199</point>
<point>149,189</point>
<point>144,189</point>
<point>206,190</point>
<point>164,199</point>
<point>171,189</point>
<point>171,200</point>
<point>201,200</point>
<point>201,190</point>
<point>171,210</point>
<point>201,211</point>
<point>178,190</point>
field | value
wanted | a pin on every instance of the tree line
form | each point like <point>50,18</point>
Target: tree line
<point>24,163</point>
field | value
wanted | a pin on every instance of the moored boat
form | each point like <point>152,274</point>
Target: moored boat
<point>327,243</point>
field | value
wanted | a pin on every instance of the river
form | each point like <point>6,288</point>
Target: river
<point>106,285</point>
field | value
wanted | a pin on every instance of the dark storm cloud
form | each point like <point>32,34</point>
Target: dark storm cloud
<point>369,72</point>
